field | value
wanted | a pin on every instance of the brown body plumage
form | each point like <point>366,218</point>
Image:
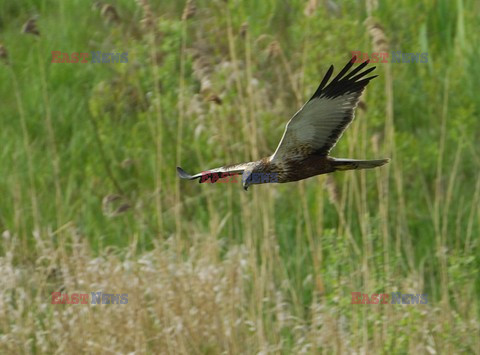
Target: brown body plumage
<point>294,170</point>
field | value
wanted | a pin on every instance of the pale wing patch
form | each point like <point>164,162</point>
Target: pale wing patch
<point>232,169</point>
<point>317,126</point>
<point>312,126</point>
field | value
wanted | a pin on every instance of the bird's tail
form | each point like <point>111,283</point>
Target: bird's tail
<point>349,164</point>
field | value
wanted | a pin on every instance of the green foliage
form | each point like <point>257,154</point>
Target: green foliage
<point>93,148</point>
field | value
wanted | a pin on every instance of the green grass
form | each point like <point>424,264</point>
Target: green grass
<point>210,268</point>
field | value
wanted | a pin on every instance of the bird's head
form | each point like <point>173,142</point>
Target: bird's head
<point>256,173</point>
<point>247,177</point>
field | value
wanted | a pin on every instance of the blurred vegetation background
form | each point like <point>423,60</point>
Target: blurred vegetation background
<point>90,200</point>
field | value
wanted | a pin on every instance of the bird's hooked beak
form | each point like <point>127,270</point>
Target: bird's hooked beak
<point>245,181</point>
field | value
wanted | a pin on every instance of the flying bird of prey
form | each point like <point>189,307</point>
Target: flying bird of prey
<point>309,136</point>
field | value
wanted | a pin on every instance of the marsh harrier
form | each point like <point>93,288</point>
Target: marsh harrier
<point>309,136</point>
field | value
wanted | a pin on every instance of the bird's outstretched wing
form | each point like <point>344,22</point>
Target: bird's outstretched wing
<point>318,125</point>
<point>214,175</point>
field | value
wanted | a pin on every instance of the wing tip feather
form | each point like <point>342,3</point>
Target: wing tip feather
<point>183,174</point>
<point>344,80</point>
